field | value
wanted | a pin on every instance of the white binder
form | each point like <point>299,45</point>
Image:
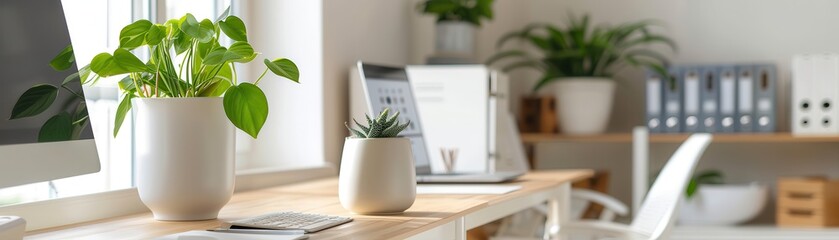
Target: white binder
<point>728,94</point>
<point>673,101</point>
<point>765,106</point>
<point>691,99</point>
<point>745,99</point>
<point>654,101</point>
<point>802,104</point>
<point>824,91</point>
<point>709,95</point>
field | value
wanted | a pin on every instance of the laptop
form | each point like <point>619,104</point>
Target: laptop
<point>389,87</point>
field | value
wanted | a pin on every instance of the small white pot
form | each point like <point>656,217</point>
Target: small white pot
<point>584,104</point>
<point>721,205</point>
<point>377,175</point>
<point>185,152</point>
<point>455,37</point>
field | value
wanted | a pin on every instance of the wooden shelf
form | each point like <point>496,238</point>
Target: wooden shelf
<point>783,137</point>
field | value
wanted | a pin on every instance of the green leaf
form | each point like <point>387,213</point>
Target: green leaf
<point>247,107</point>
<point>197,30</point>
<point>34,101</point>
<point>234,28</point>
<point>70,78</point>
<point>505,54</point>
<point>57,128</point>
<point>182,42</point>
<point>64,59</point>
<point>134,35</point>
<point>155,34</point>
<point>121,62</point>
<point>215,88</point>
<point>84,73</point>
<point>284,67</point>
<point>358,134</point>
<point>238,52</point>
<point>122,111</point>
<point>439,6</point>
<point>705,177</point>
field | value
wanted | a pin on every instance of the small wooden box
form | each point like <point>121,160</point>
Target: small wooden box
<point>808,202</point>
<point>538,115</point>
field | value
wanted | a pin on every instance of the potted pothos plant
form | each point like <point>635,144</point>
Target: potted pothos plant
<point>184,99</point>
<point>456,23</point>
<point>373,153</point>
<point>581,60</point>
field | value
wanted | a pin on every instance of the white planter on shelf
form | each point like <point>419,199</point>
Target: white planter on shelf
<point>377,175</point>
<point>584,104</point>
<point>185,152</point>
<point>722,205</point>
<point>455,37</point>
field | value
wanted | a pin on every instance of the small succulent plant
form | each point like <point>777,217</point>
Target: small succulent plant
<point>381,127</point>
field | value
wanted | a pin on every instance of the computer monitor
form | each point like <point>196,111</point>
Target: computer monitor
<point>34,32</point>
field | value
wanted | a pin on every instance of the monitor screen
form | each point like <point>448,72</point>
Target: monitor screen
<point>33,33</point>
<point>389,87</point>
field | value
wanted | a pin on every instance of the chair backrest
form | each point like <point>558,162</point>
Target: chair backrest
<point>657,213</point>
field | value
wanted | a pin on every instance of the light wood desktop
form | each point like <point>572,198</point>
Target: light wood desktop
<point>445,216</point>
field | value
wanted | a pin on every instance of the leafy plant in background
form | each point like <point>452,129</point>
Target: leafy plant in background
<point>705,177</point>
<point>205,68</point>
<point>581,50</point>
<point>471,11</point>
<point>381,127</point>
<point>73,117</point>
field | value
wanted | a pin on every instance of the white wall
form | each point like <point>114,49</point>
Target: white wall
<point>294,30</point>
<point>375,31</point>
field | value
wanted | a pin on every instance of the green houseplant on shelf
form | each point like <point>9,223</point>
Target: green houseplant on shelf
<point>580,60</point>
<point>372,154</point>
<point>184,99</point>
<point>456,23</point>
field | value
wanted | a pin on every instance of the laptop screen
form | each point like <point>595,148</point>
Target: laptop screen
<point>388,87</point>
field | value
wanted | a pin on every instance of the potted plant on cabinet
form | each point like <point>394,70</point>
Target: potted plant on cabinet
<point>456,22</point>
<point>582,60</point>
<point>184,99</point>
<point>709,201</point>
<point>377,167</point>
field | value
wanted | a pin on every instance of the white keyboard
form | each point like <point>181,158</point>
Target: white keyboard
<point>292,221</point>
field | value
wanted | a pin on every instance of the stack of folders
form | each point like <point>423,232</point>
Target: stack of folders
<point>712,98</point>
<point>814,88</point>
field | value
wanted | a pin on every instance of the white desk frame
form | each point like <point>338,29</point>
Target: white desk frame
<point>558,200</point>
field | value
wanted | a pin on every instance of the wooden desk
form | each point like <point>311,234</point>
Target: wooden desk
<point>431,217</point>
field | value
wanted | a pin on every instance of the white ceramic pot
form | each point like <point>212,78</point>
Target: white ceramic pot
<point>377,175</point>
<point>455,37</point>
<point>721,205</point>
<point>185,152</point>
<point>584,104</point>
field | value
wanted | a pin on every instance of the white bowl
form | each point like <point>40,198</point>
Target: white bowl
<point>719,205</point>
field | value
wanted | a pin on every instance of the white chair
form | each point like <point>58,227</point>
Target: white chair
<point>657,214</point>
<point>525,225</point>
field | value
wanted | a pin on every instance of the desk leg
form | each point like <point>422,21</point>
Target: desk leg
<point>559,208</point>
<point>460,228</point>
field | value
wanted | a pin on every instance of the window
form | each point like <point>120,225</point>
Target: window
<point>94,27</point>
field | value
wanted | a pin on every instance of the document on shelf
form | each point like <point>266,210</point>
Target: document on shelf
<point>208,235</point>
<point>486,189</point>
